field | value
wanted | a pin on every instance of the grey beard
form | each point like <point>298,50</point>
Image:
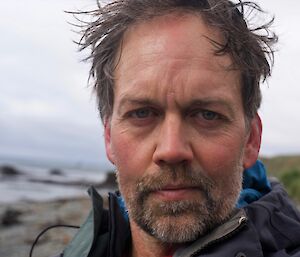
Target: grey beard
<point>175,222</point>
<point>182,220</point>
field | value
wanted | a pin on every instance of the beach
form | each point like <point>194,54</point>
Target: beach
<point>32,201</point>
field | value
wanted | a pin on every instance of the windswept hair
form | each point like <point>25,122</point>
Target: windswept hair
<point>251,49</point>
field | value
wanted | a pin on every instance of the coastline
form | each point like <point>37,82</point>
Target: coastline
<point>21,222</point>
<point>33,199</point>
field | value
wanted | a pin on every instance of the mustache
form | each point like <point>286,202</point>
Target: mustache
<point>182,175</point>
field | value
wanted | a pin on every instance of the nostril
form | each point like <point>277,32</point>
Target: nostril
<point>172,156</point>
<point>171,163</point>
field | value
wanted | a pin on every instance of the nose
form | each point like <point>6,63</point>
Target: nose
<point>173,146</point>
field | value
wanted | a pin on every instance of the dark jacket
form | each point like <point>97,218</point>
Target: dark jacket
<point>268,227</point>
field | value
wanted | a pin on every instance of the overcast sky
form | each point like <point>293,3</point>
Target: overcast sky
<point>47,111</point>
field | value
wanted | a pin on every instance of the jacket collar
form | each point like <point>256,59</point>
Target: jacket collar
<point>104,232</point>
<point>225,230</point>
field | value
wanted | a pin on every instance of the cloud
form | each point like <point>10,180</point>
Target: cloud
<point>47,110</point>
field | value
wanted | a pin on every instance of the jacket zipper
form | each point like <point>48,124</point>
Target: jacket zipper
<point>221,233</point>
<point>241,225</point>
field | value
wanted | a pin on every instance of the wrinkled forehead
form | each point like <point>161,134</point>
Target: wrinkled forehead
<point>174,55</point>
<point>184,37</point>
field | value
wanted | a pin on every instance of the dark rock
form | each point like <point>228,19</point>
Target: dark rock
<point>109,183</point>
<point>111,180</point>
<point>10,217</point>
<point>9,171</point>
<point>56,172</point>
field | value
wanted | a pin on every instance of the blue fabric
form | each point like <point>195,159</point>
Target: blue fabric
<point>255,184</point>
<point>122,206</point>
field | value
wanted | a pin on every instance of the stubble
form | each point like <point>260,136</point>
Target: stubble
<point>180,221</point>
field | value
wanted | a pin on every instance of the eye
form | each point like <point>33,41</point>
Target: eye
<point>206,115</point>
<point>208,119</point>
<point>210,115</point>
<point>142,113</point>
<point>141,117</point>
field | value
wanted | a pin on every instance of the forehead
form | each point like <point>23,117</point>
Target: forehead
<point>171,50</point>
<point>175,34</point>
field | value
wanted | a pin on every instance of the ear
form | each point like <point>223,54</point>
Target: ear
<point>253,142</point>
<point>107,137</point>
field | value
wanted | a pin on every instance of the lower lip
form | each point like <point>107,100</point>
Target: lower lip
<point>177,194</point>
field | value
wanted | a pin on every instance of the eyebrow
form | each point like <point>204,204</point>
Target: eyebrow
<point>203,103</point>
<point>137,101</point>
<point>206,102</point>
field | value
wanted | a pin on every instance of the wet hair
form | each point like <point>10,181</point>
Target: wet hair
<point>251,49</point>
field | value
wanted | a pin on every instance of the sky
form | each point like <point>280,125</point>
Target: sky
<point>47,110</point>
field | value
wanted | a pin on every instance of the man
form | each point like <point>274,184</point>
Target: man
<point>178,90</point>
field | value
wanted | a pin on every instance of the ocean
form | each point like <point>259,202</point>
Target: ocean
<point>42,184</point>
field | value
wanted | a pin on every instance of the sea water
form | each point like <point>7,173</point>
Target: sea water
<point>39,184</point>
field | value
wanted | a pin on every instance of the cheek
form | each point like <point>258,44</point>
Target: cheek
<point>124,158</point>
<point>124,155</point>
<point>132,157</point>
<point>121,150</point>
<point>221,160</point>
<point>224,166</point>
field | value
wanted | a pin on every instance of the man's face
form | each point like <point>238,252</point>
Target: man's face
<point>177,135</point>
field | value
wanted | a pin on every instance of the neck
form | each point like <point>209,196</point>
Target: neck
<point>146,245</point>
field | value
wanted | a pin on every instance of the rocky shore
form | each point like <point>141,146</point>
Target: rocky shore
<point>22,222</point>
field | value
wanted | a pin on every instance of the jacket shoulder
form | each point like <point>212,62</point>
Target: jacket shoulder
<point>276,221</point>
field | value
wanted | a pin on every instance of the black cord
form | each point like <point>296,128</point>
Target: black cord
<point>44,231</point>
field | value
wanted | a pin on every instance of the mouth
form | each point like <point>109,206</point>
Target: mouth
<point>177,192</point>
